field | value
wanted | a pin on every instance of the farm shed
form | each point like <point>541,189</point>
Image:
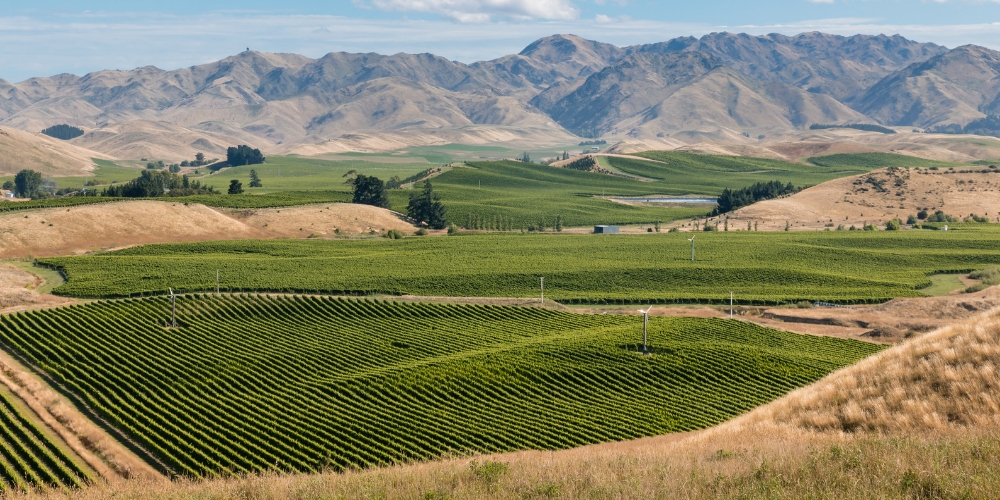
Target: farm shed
<point>605,229</point>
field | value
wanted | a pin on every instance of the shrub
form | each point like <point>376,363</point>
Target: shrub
<point>394,234</point>
<point>421,232</point>
<point>893,225</point>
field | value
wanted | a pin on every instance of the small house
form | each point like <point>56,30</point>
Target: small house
<point>9,195</point>
<point>605,229</point>
<point>595,149</point>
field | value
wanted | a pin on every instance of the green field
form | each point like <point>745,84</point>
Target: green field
<point>873,161</point>
<point>257,383</point>
<point>687,173</point>
<point>293,173</point>
<point>28,459</point>
<point>762,268</point>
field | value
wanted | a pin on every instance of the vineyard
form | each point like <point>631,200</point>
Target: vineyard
<point>28,459</point>
<point>258,383</point>
<point>761,268</point>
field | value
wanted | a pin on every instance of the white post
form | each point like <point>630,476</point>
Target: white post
<point>730,304</point>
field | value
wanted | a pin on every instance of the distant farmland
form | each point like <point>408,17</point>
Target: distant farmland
<point>256,383</point>
<point>762,268</point>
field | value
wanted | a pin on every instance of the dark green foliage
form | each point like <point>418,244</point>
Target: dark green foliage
<point>370,190</point>
<point>174,168</point>
<point>64,132</point>
<point>28,184</point>
<point>243,155</point>
<point>426,208</point>
<point>867,127</point>
<point>154,184</point>
<point>9,185</point>
<point>940,216</point>
<point>255,179</point>
<point>586,163</point>
<point>731,200</point>
<point>235,187</point>
<point>260,384</point>
<point>893,225</point>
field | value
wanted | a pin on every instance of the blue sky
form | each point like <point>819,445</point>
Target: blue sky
<point>55,36</point>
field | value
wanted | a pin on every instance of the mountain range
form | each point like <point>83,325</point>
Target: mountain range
<point>721,86</point>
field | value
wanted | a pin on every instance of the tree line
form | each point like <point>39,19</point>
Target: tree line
<point>733,199</point>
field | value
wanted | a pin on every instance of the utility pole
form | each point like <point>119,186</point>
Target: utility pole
<point>692,248</point>
<point>541,285</point>
<point>173,309</point>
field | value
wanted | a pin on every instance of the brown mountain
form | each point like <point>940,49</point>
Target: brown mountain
<point>719,85</point>
<point>956,87</point>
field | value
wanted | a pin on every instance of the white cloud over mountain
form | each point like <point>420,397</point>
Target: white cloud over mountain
<point>480,11</point>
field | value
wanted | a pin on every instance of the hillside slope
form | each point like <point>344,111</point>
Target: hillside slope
<point>51,157</point>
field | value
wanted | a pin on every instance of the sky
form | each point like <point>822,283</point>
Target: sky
<point>49,37</point>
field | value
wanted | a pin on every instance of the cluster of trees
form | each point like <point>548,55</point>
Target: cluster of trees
<point>731,200</point>
<point>370,190</point>
<point>30,184</point>
<point>424,207</point>
<point>156,183</point>
<point>243,155</point>
<point>867,127</point>
<point>594,143</point>
<point>64,132</point>
<point>199,160</point>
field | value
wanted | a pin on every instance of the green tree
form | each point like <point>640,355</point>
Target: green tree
<point>243,155</point>
<point>426,208</point>
<point>893,225</point>
<point>8,185</point>
<point>200,158</point>
<point>370,190</point>
<point>235,187</point>
<point>559,225</point>
<point>526,158</point>
<point>27,183</point>
<point>254,179</point>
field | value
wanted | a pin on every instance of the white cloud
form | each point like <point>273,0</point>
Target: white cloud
<point>36,46</point>
<point>822,1</point>
<point>481,11</point>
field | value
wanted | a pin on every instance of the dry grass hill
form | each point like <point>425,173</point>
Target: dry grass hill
<point>52,157</point>
<point>879,197</point>
<point>66,231</point>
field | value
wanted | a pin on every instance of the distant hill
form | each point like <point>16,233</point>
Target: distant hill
<point>721,86</point>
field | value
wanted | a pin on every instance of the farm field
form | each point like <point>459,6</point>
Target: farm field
<point>760,268</point>
<point>256,383</point>
<point>687,173</point>
<point>28,459</point>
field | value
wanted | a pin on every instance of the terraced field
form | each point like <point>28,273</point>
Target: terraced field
<point>258,383</point>
<point>762,268</point>
<point>28,459</point>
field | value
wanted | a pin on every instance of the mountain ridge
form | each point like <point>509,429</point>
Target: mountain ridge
<point>562,83</point>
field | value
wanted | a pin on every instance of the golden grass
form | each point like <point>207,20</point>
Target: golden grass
<point>915,421</point>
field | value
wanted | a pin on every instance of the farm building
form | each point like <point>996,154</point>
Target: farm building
<point>605,229</point>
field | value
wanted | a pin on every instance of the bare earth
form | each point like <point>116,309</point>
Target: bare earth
<point>18,291</point>
<point>77,230</point>
<point>876,198</point>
